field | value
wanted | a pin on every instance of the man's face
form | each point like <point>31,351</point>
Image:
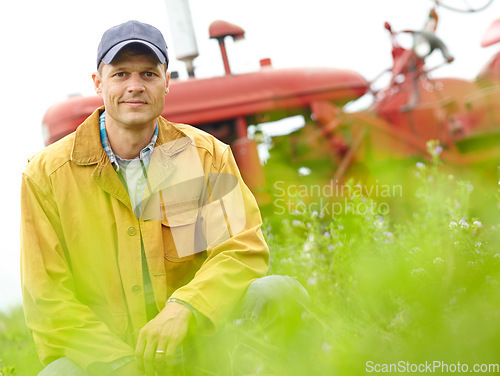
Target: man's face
<point>133,89</point>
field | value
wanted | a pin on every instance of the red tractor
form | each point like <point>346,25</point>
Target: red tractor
<point>463,115</point>
<point>223,106</point>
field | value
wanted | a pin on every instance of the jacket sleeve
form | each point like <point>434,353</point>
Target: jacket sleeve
<point>232,264</point>
<point>61,325</point>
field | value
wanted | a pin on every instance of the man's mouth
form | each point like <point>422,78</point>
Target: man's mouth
<point>134,103</point>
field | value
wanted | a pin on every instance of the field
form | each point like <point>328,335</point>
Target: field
<point>410,289</point>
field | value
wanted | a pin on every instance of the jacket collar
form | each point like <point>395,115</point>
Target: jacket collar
<point>87,148</point>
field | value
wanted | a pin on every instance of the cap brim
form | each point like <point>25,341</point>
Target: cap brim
<point>111,54</point>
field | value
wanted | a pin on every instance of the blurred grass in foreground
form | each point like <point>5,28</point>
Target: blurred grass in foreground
<point>425,289</point>
<point>420,290</point>
<point>17,349</point>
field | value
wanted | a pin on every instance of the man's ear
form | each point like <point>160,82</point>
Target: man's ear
<point>96,77</point>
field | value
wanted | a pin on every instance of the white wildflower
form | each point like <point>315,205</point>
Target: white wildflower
<point>477,224</point>
<point>463,224</point>
<point>453,225</point>
<point>326,347</point>
<point>420,165</point>
<point>389,237</point>
<point>418,271</point>
<point>438,260</point>
<point>379,222</point>
<point>304,171</point>
<point>312,281</point>
<point>238,322</point>
<point>296,222</point>
<point>308,244</point>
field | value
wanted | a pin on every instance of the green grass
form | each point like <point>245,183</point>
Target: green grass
<point>17,349</point>
<point>414,288</point>
<point>425,288</point>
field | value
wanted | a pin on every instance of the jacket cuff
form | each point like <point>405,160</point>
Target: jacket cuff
<point>201,320</point>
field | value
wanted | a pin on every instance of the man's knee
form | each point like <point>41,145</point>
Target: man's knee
<point>273,298</point>
<point>62,367</point>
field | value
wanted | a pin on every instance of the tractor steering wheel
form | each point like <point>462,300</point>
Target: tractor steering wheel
<point>463,6</point>
<point>426,42</point>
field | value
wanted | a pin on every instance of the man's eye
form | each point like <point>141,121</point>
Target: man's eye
<point>120,74</point>
<point>149,74</point>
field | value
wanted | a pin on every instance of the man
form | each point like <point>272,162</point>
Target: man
<point>135,230</point>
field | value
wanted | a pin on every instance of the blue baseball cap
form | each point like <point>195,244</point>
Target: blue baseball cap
<point>117,37</point>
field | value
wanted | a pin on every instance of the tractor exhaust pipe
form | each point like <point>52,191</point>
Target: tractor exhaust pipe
<point>182,31</point>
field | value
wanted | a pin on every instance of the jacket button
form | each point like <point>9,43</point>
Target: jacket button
<point>131,231</point>
<point>136,289</point>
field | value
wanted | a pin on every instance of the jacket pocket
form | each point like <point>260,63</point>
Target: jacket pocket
<point>183,235</point>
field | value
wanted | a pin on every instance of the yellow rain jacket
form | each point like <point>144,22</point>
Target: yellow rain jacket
<point>81,269</point>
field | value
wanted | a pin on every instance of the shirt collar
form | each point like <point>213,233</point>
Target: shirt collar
<point>144,155</point>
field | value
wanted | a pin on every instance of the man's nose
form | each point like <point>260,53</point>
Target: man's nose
<point>135,83</point>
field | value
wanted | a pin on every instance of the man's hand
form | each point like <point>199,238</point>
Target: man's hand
<point>164,333</point>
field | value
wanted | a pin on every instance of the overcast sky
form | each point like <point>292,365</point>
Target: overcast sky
<point>49,48</point>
